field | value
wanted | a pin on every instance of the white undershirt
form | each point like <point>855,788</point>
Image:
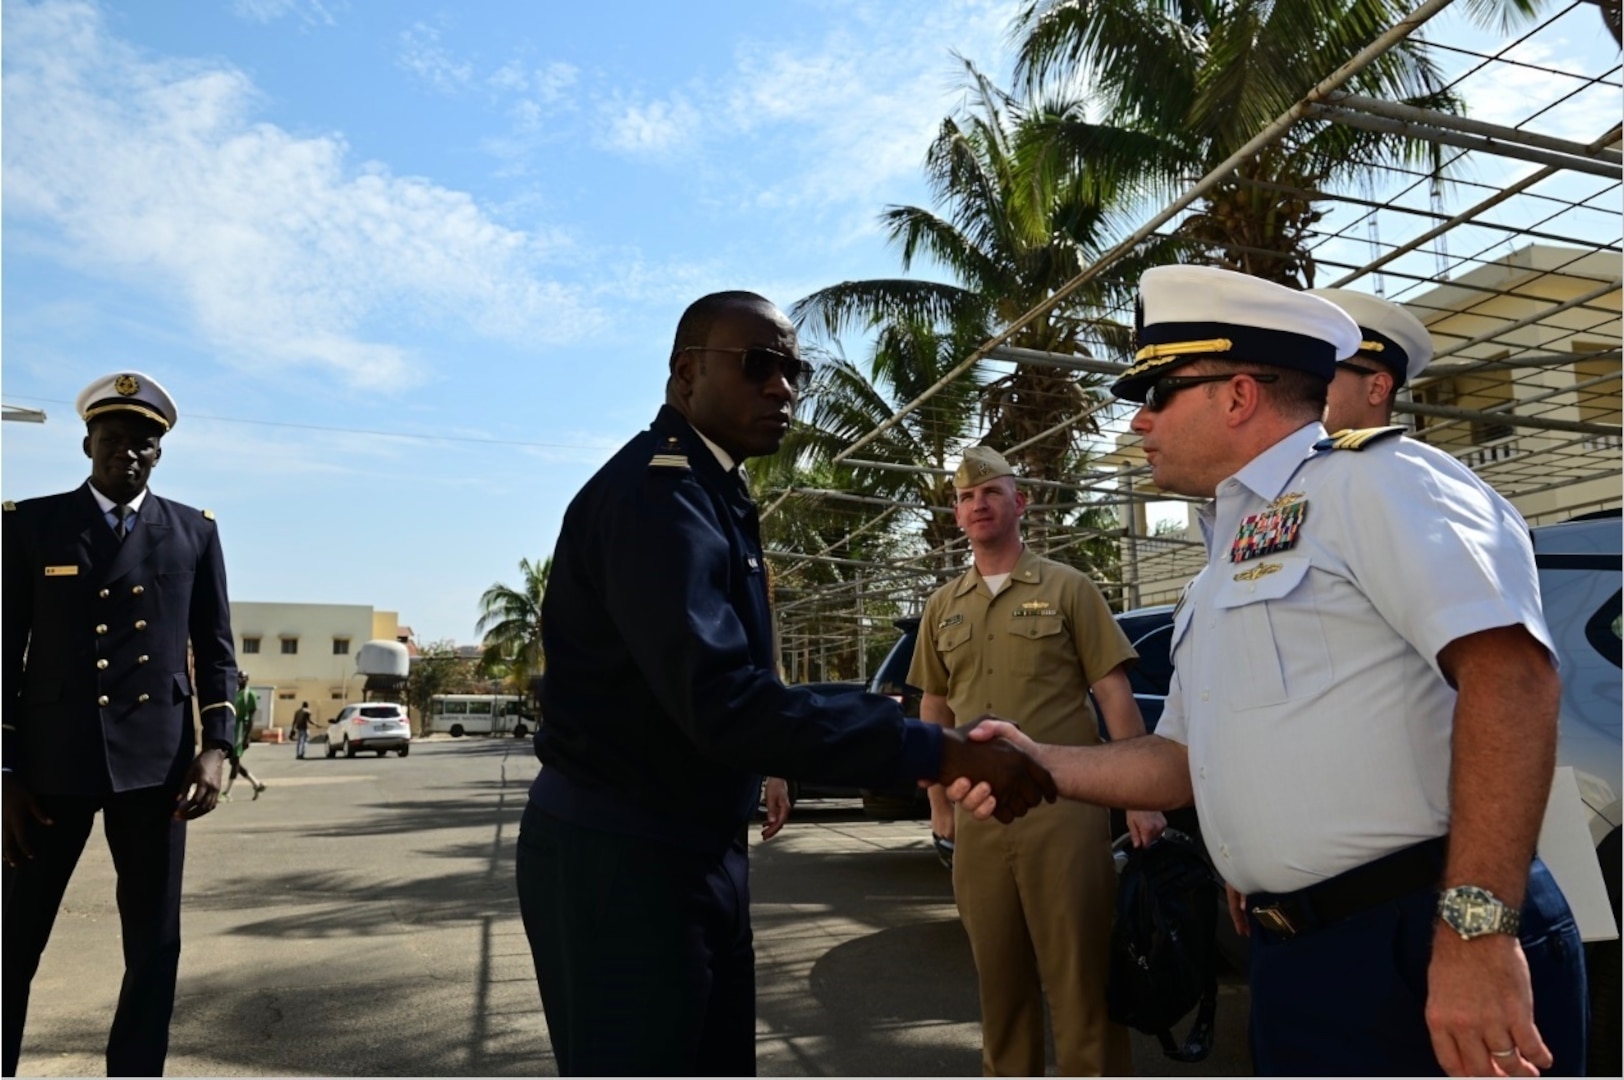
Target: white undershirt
<point>108,505</point>
<point>996,582</point>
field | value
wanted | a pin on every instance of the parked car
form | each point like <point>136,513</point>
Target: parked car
<point>379,726</point>
<point>1580,573</point>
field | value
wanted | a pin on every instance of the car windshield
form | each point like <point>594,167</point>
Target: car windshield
<point>381,712</point>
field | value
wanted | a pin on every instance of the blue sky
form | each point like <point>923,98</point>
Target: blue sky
<point>411,269</point>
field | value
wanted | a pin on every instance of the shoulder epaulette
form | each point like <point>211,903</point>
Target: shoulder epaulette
<point>8,505</point>
<point>209,514</point>
<point>1357,438</point>
<point>670,455</point>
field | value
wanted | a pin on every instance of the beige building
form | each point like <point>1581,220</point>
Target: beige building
<point>305,652</point>
<point>1524,389</point>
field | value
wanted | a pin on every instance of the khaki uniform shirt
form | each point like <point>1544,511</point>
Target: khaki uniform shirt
<point>1028,654</point>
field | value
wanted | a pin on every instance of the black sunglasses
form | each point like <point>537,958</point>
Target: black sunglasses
<point>1162,390</point>
<point>761,363</point>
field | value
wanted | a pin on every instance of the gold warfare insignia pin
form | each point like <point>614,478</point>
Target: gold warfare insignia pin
<point>128,385</point>
<point>1035,607</point>
<point>1261,570</point>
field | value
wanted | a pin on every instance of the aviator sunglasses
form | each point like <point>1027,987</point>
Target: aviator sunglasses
<point>1162,390</point>
<point>761,363</point>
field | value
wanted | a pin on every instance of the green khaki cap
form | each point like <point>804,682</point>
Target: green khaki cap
<point>980,464</point>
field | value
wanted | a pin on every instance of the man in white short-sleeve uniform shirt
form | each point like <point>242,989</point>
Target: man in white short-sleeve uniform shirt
<point>1363,707</point>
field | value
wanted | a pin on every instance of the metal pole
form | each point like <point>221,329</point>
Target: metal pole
<point>1281,124</point>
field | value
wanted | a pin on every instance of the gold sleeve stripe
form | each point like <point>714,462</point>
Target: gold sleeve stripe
<point>220,705</point>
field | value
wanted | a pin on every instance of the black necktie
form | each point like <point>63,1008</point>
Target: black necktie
<point>121,526</point>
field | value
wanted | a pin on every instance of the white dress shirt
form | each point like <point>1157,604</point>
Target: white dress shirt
<point>1306,683</point>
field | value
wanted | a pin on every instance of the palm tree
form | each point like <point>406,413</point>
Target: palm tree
<point>510,620</point>
<point>1009,234</point>
<point>1178,86</point>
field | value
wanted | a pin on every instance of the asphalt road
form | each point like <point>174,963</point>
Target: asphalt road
<point>360,919</point>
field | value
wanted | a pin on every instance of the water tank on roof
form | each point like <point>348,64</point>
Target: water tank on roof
<point>383,658</point>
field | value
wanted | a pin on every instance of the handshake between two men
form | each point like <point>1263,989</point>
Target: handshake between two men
<point>1007,781</point>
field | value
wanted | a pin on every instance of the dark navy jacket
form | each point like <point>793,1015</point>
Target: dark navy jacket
<point>96,695</point>
<point>661,705</point>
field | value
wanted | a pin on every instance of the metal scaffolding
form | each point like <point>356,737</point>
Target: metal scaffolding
<point>1515,262</point>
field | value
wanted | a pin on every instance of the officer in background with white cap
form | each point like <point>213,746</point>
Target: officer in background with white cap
<point>1363,706</point>
<point>103,588</point>
<point>1394,347</point>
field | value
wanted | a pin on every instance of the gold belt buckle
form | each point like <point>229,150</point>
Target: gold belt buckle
<point>1275,921</point>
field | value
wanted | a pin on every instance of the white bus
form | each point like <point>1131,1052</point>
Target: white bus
<point>478,714</point>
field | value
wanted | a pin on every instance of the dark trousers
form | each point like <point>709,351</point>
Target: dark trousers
<point>149,853</point>
<point>1349,999</point>
<point>643,952</point>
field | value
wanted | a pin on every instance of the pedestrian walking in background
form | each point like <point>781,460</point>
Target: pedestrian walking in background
<point>301,729</point>
<point>104,587</point>
<point>246,704</point>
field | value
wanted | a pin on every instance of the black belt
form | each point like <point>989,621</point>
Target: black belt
<point>1330,901</point>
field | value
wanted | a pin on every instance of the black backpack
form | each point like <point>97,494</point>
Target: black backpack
<point>1164,944</point>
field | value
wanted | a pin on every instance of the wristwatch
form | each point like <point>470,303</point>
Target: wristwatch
<point>1473,912</point>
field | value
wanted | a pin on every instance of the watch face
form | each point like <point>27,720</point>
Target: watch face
<point>1472,912</point>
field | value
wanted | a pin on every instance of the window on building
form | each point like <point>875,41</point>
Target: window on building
<point>290,646</point>
<point>341,646</point>
<point>286,695</point>
<point>338,695</point>
<point>250,644</point>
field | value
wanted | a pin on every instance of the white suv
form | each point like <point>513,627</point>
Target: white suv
<point>379,726</point>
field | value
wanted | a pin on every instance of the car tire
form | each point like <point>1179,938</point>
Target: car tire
<point>403,751</point>
<point>457,732</point>
<point>520,731</point>
<point>381,753</point>
<point>349,750</point>
<point>332,750</point>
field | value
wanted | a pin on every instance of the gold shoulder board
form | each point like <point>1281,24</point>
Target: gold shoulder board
<point>209,514</point>
<point>1358,438</point>
<point>9,505</point>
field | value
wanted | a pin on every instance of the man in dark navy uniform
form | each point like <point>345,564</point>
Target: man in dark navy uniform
<point>664,709</point>
<point>103,588</point>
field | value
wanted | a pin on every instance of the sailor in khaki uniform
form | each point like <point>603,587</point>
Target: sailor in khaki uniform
<point>1027,637</point>
<point>104,587</point>
<point>1363,706</point>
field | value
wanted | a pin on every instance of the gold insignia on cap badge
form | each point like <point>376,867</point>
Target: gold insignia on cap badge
<point>127,385</point>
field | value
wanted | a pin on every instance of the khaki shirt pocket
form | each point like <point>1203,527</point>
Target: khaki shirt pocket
<point>1034,639</point>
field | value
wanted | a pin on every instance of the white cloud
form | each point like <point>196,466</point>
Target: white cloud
<point>422,54</point>
<point>310,12</point>
<point>281,250</point>
<point>848,118</point>
<point>651,129</point>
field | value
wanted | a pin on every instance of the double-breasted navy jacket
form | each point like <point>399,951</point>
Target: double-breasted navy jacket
<point>661,705</point>
<point>96,692</point>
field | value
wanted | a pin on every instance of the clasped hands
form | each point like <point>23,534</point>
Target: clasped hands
<point>992,769</point>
